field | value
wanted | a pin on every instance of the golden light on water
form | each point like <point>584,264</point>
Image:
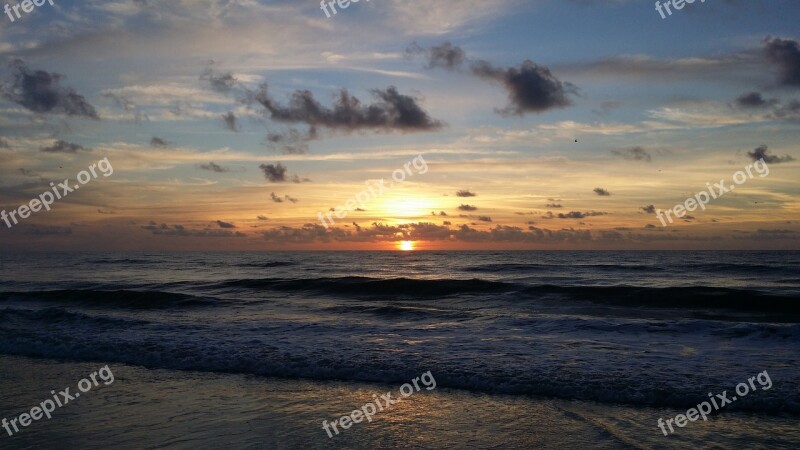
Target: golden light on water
<point>406,246</point>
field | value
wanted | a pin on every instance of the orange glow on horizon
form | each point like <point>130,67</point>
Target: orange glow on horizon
<point>406,246</point>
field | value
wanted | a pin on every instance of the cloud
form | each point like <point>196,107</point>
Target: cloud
<point>181,231</point>
<point>484,218</point>
<point>275,173</point>
<point>760,152</point>
<point>292,141</point>
<point>218,82</point>
<point>580,215</point>
<point>275,198</point>
<point>602,192</point>
<point>785,54</point>
<point>633,154</point>
<point>262,218</point>
<point>553,205</point>
<point>158,142</point>
<point>64,147</point>
<point>445,56</point>
<point>466,193</point>
<point>231,122</point>
<point>753,100</point>
<point>531,88</point>
<point>468,208</point>
<point>40,92</point>
<point>213,167</point>
<point>650,209</point>
<point>225,224</point>
<point>391,112</point>
<point>423,231</point>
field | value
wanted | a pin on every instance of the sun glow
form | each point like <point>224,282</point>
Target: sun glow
<point>406,246</point>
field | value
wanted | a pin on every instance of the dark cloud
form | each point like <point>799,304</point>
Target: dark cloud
<point>633,154</point>
<point>484,218</point>
<point>423,231</point>
<point>753,100</point>
<point>181,231</point>
<point>158,142</point>
<point>467,208</point>
<point>760,152</point>
<point>275,198</point>
<point>262,218</point>
<point>391,112</point>
<point>446,56</point>
<point>531,88</point>
<point>553,205</point>
<point>225,224</point>
<point>64,147</point>
<point>601,192</point>
<point>218,82</point>
<point>298,180</point>
<point>466,194</point>
<point>580,215</point>
<point>28,172</point>
<point>213,167</point>
<point>784,53</point>
<point>650,209</point>
<point>41,92</point>
<point>231,122</point>
<point>274,173</point>
<point>292,141</point>
<point>789,111</point>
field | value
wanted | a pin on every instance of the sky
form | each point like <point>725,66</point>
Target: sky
<point>243,125</point>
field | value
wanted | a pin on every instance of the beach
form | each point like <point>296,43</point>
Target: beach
<point>256,351</point>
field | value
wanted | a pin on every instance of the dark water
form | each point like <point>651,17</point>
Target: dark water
<point>636,328</point>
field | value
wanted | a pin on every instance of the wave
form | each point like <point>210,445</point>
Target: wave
<point>699,297</point>
<point>678,390</point>
<point>111,298</point>
<point>375,287</point>
<point>534,267</point>
<point>695,297</point>
<point>267,265</point>
<point>121,261</point>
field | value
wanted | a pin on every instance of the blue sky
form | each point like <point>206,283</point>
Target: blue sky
<point>652,104</point>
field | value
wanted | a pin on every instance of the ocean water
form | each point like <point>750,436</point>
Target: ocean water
<point>654,330</point>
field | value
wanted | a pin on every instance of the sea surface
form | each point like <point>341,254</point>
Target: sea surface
<point>649,330</point>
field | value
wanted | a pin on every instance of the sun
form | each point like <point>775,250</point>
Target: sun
<point>406,246</point>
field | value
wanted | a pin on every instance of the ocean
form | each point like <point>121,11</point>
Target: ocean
<point>547,349</point>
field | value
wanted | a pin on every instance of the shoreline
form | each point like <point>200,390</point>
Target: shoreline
<point>148,408</point>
